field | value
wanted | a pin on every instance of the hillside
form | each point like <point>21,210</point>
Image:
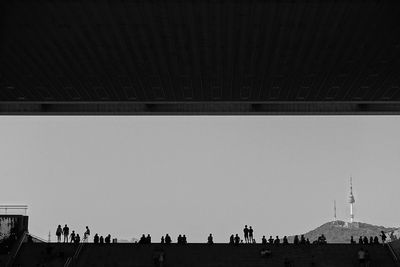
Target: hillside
<point>337,232</point>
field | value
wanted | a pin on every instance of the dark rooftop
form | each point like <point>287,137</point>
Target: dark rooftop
<point>199,57</point>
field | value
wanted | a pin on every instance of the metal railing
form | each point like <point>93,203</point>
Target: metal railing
<point>74,258</point>
<point>39,238</point>
<point>393,253</point>
<point>15,251</point>
<point>14,207</point>
<point>68,262</point>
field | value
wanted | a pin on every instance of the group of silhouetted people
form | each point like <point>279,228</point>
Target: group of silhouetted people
<point>365,240</point>
<point>182,240</point>
<point>248,234</point>
<point>273,241</point>
<point>301,241</point>
<point>63,232</point>
<point>234,240</point>
<point>321,240</point>
<point>364,258</point>
<point>167,239</point>
<point>101,239</point>
<point>73,238</point>
<point>145,239</point>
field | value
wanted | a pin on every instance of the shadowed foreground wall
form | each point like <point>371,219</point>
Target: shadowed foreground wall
<point>199,255</point>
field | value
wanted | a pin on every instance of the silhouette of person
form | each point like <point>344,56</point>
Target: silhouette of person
<point>232,240</point>
<point>392,236</point>
<point>251,235</point>
<point>77,238</point>
<point>367,258</point>
<point>277,240</point>
<point>107,240</point>
<point>58,233</point>
<point>371,240</point>
<point>360,240</point>
<point>162,240</point>
<point>148,239</point>
<point>237,239</point>
<point>302,240</point>
<point>86,234</point>
<point>210,239</point>
<point>167,239</point>
<point>180,239</point>
<point>270,240</point>
<point>323,239</point>
<point>312,262</point>
<point>263,240</point>
<point>142,239</point>
<point>361,257</point>
<point>376,240</point>
<point>308,241</point>
<point>161,259</point>
<point>72,236</point>
<point>285,240</point>
<point>383,236</point>
<point>352,240</point>
<point>296,240</point>
<point>101,240</point>
<point>246,234</point>
<point>365,240</point>
<point>66,233</point>
<point>184,241</point>
<point>96,239</point>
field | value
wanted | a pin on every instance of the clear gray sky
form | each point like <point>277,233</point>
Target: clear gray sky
<point>199,175</point>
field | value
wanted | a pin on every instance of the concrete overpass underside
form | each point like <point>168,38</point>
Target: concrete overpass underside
<point>212,57</point>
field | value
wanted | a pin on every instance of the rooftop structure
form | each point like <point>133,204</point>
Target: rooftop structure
<point>138,57</point>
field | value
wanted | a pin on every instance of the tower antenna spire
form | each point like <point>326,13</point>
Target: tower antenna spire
<point>334,211</point>
<point>351,200</point>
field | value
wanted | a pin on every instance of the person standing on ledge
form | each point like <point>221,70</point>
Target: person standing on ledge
<point>251,235</point>
<point>58,233</point>
<point>210,239</point>
<point>86,234</point>
<point>66,233</point>
<point>246,234</point>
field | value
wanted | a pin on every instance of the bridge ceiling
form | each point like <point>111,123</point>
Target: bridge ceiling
<point>199,56</point>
